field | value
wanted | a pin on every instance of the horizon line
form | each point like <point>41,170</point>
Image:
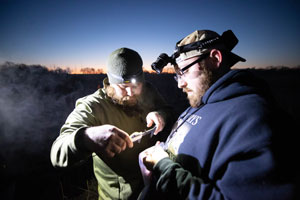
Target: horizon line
<point>101,70</point>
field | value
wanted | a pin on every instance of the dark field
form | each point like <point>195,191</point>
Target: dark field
<point>35,102</point>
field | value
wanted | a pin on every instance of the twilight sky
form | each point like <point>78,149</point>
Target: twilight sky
<point>82,33</point>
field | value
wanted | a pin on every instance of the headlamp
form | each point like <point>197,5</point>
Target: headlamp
<point>227,39</point>
<point>128,78</point>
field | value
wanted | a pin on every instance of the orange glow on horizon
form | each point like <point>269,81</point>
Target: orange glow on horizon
<point>166,70</point>
<point>91,70</point>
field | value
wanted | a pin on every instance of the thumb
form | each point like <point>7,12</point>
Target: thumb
<point>149,122</point>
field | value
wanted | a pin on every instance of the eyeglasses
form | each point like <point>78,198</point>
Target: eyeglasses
<point>182,72</point>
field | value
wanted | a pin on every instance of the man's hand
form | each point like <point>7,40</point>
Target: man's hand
<point>157,119</point>
<point>106,140</point>
<point>153,155</point>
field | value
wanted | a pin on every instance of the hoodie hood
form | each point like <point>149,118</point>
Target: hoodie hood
<point>233,84</point>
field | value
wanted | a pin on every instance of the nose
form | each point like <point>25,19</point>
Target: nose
<point>181,83</point>
<point>129,91</point>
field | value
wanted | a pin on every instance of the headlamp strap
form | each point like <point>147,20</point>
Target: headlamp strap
<point>195,46</point>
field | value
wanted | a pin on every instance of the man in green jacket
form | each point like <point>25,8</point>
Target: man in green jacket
<point>101,124</point>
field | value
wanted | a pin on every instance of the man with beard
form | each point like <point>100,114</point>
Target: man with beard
<point>101,124</point>
<point>233,142</point>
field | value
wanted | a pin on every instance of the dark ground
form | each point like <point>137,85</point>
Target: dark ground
<point>34,103</point>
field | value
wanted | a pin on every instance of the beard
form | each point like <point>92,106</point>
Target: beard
<point>207,79</point>
<point>125,101</point>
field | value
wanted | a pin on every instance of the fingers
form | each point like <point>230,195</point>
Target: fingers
<point>152,155</point>
<point>118,141</point>
<point>145,156</point>
<point>112,149</point>
<point>149,122</point>
<point>154,117</point>
<point>159,127</point>
<point>124,137</point>
<point>115,146</point>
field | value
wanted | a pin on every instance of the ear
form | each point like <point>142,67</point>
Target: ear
<point>216,56</point>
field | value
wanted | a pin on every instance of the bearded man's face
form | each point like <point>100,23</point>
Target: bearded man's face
<point>196,80</point>
<point>126,94</point>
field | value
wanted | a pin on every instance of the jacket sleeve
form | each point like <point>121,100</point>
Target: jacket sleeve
<point>174,182</point>
<point>65,150</point>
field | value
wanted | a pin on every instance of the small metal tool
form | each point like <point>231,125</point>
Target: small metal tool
<point>136,137</point>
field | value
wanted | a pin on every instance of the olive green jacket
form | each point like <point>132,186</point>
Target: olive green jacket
<point>118,177</point>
